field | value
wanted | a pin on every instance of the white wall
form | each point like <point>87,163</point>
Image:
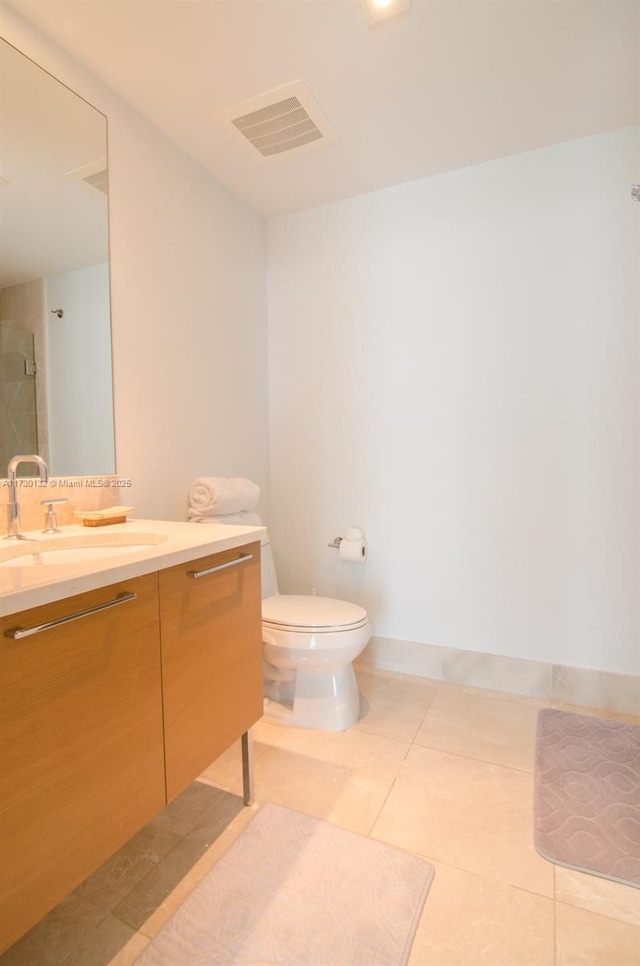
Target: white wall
<point>188,300</point>
<point>79,376</point>
<point>454,367</point>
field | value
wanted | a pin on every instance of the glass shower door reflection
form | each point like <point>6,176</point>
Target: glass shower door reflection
<point>18,421</point>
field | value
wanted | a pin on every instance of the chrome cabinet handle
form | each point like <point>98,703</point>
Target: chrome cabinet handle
<point>18,632</point>
<point>212,570</point>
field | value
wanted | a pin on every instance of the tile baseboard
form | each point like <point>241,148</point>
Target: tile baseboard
<point>550,682</point>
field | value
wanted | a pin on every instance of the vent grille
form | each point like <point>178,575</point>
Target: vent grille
<point>99,180</point>
<point>281,121</point>
<point>94,174</point>
<point>279,127</point>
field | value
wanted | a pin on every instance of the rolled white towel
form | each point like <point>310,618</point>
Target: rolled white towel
<point>244,518</point>
<point>221,495</point>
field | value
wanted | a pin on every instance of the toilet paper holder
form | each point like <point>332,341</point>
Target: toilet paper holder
<point>352,548</point>
<point>353,533</point>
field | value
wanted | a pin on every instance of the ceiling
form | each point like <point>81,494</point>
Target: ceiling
<point>451,83</point>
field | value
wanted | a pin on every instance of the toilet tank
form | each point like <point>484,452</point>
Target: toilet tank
<point>267,570</point>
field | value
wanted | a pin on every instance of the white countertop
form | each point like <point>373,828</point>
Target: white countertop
<point>22,587</point>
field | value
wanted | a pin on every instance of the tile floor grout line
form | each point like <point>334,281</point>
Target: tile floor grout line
<point>482,761</point>
<point>602,915</point>
<point>424,718</point>
<point>389,790</point>
<point>379,734</point>
<point>478,875</point>
<point>69,953</point>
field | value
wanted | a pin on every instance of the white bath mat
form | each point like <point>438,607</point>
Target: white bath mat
<point>296,891</point>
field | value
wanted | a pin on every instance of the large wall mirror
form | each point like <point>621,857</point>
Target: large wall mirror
<point>56,388</point>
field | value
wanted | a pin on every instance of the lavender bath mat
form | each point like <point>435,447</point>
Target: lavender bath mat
<point>295,891</point>
<point>587,794</point>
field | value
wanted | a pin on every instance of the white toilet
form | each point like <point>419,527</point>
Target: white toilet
<point>309,646</point>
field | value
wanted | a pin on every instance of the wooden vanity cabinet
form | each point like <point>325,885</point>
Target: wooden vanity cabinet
<point>81,758</point>
<point>211,658</point>
<point>106,718</point>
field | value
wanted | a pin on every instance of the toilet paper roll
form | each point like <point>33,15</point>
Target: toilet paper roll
<point>353,551</point>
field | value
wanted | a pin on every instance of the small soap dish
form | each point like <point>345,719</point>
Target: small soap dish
<point>102,518</point>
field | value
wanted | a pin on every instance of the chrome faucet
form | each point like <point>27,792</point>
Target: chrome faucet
<point>13,507</point>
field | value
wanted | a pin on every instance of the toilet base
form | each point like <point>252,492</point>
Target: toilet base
<point>277,711</point>
<point>326,699</point>
<point>280,692</point>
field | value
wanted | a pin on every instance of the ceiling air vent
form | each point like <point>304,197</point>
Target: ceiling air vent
<point>284,121</point>
<point>98,180</point>
<point>94,174</point>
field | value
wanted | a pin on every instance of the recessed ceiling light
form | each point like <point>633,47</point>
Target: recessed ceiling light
<point>380,10</point>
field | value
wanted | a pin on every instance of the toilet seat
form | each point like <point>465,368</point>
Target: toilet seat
<point>302,614</point>
<point>291,648</point>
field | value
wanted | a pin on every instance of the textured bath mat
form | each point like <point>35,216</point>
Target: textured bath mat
<point>587,794</point>
<point>295,890</point>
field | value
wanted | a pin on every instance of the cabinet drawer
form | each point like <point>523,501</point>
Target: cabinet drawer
<point>81,762</point>
<point>211,658</point>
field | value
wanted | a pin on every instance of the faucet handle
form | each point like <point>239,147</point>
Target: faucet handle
<point>51,520</point>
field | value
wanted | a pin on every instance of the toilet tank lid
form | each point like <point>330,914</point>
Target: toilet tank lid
<point>297,610</point>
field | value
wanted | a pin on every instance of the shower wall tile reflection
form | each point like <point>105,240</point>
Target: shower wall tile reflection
<point>18,428</point>
<point>22,312</point>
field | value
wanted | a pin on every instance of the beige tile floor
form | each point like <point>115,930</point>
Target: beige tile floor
<point>445,772</point>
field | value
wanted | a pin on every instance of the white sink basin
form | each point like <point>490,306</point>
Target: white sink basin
<point>76,549</point>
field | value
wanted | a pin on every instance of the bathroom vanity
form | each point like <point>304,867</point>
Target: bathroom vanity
<point>129,661</point>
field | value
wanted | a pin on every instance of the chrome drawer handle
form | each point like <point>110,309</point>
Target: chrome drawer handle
<point>17,632</point>
<point>212,570</point>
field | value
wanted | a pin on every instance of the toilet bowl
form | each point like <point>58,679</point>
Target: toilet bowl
<point>309,646</point>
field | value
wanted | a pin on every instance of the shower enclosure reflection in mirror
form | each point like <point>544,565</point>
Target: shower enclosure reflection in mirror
<point>56,390</point>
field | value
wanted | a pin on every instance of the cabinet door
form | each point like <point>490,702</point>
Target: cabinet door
<point>211,658</point>
<point>81,760</point>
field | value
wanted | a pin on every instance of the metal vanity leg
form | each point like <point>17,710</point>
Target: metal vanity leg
<point>246,742</point>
